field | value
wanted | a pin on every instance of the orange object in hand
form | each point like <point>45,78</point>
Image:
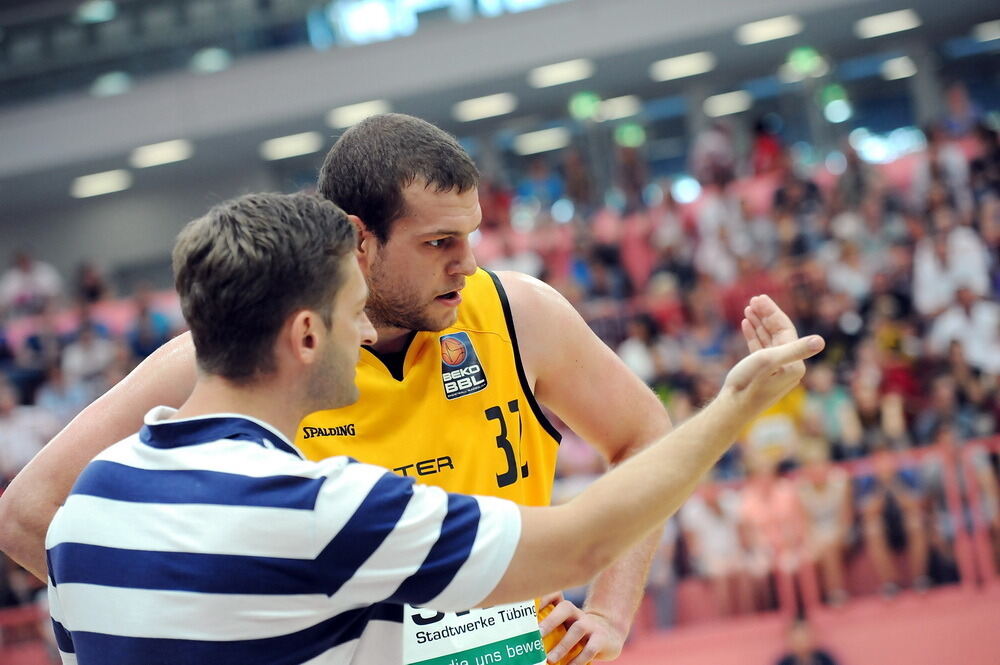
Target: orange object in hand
<point>555,637</point>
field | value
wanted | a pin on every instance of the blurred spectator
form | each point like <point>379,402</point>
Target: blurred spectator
<point>798,207</point>
<point>43,346</point>
<point>91,286</point>
<point>774,527</point>
<point>713,157</point>
<point>847,274</point>
<point>640,350</point>
<point>890,502</point>
<point>710,521</point>
<point>721,236</point>
<point>751,279</point>
<point>632,178</point>
<point>520,259</point>
<point>28,285</point>
<point>541,183</point>
<point>775,436</point>
<point>661,584</point>
<point>152,328</point>
<point>830,414</point>
<point>856,182</point>
<point>941,175</point>
<point>975,389</point>
<point>8,598</point>
<point>23,432</point>
<point>962,115</point>
<point>825,493</point>
<point>61,398</point>
<point>984,171</point>
<point>885,299</point>
<point>579,183</point>
<point>765,153</point>
<point>974,322</point>
<point>953,256</point>
<point>881,417</point>
<point>943,410</point>
<point>88,357</point>
<point>637,251</point>
<point>802,649</point>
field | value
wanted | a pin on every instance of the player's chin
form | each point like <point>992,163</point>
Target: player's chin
<point>439,317</point>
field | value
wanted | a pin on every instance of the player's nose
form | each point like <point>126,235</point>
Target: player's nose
<point>466,263</point>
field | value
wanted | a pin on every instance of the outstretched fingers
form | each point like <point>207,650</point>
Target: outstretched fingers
<point>773,319</point>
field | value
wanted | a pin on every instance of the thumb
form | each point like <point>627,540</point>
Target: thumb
<point>794,351</point>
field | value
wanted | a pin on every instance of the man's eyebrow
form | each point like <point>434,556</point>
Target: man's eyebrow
<point>450,232</point>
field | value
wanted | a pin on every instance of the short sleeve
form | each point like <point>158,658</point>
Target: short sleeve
<point>389,539</point>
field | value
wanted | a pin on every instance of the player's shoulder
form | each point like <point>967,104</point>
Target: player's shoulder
<point>532,300</point>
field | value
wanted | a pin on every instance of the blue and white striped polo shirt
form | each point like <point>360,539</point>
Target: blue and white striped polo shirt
<point>210,540</point>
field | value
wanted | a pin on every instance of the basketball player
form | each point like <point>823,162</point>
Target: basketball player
<point>451,391</point>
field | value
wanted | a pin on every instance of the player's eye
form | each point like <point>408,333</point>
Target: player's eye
<point>437,243</point>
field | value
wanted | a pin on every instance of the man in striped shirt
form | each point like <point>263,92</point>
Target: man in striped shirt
<point>207,538</point>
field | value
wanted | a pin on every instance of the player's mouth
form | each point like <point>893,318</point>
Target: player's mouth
<point>451,299</point>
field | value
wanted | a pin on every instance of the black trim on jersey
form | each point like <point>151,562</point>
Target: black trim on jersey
<point>394,360</point>
<point>535,408</point>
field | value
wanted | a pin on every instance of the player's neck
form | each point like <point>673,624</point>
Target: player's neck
<point>269,402</point>
<point>392,340</point>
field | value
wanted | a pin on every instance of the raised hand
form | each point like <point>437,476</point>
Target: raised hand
<point>775,364</point>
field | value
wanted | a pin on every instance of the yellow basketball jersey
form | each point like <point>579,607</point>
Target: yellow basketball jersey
<point>462,417</point>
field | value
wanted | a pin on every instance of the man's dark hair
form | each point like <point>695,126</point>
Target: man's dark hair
<point>368,167</point>
<point>248,264</point>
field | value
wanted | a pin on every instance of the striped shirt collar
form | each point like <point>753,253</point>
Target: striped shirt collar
<point>162,430</point>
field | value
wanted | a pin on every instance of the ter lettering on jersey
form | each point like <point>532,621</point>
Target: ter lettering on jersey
<point>461,372</point>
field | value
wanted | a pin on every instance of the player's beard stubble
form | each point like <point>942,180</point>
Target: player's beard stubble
<point>398,303</point>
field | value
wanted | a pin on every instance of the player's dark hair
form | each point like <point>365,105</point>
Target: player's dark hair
<point>368,167</point>
<point>247,265</point>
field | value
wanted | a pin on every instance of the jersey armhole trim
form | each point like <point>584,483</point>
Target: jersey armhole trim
<point>536,409</point>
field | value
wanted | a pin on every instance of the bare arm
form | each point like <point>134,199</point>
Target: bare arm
<point>566,545</point>
<point>27,507</point>
<point>577,376</point>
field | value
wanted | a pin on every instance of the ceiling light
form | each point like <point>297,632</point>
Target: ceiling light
<point>768,30</point>
<point>484,107</point>
<point>291,146</point>
<point>352,114</point>
<point>886,24</point>
<point>728,103</point>
<point>682,66</point>
<point>97,184</point>
<point>96,11</point>
<point>541,141</point>
<point>156,154</point>
<point>619,107</point>
<point>898,68</point>
<point>838,111</point>
<point>630,135</point>
<point>111,84</point>
<point>987,32</point>
<point>560,73</point>
<point>211,60</point>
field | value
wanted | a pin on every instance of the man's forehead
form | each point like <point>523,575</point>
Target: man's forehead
<point>426,205</point>
<point>422,194</point>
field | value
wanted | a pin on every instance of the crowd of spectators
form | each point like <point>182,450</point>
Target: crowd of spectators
<point>898,271</point>
<point>896,266</point>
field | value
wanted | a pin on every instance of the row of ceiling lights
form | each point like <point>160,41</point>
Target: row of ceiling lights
<point>470,110</point>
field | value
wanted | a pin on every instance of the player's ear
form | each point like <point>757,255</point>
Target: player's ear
<point>304,335</point>
<point>366,242</point>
